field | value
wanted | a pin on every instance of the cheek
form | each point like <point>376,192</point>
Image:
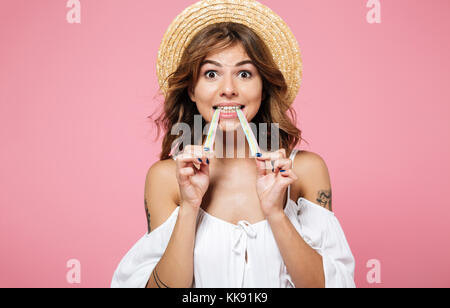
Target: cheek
<point>204,99</point>
<point>205,92</point>
<point>253,94</point>
<point>252,89</point>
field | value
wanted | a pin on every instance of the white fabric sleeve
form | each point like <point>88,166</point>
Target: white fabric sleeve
<point>136,266</point>
<point>322,231</point>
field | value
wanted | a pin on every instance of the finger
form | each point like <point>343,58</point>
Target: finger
<point>187,149</point>
<point>261,168</point>
<point>280,154</point>
<point>208,155</point>
<point>265,156</point>
<point>270,165</point>
<point>192,147</point>
<point>185,157</point>
<point>204,159</point>
<point>185,173</point>
<point>196,150</point>
<point>265,161</point>
<point>204,169</point>
<point>289,174</point>
<point>192,163</point>
<point>282,164</point>
<point>187,160</point>
<point>199,152</point>
<point>284,179</point>
<point>270,159</point>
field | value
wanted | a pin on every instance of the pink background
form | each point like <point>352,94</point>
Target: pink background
<point>76,144</point>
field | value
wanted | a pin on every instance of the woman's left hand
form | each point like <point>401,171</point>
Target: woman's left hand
<point>271,185</point>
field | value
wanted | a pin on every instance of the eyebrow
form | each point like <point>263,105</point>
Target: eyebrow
<point>220,65</point>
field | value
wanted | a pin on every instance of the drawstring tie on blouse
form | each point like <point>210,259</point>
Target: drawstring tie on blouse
<point>245,230</point>
<point>240,241</point>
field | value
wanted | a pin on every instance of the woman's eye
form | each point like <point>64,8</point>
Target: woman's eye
<point>210,74</point>
<point>247,74</point>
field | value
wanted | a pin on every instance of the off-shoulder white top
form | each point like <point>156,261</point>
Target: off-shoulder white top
<point>220,246</point>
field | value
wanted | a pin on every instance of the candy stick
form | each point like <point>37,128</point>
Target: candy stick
<point>212,131</point>
<point>172,151</point>
<point>254,148</point>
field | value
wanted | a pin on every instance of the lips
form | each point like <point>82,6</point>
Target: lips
<point>228,115</point>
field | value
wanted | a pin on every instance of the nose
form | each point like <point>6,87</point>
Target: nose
<point>228,87</point>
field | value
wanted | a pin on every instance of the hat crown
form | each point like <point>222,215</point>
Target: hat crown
<point>258,17</point>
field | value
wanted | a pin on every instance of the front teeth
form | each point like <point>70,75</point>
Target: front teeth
<point>232,109</point>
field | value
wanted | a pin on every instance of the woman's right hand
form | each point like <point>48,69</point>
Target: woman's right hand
<point>193,182</point>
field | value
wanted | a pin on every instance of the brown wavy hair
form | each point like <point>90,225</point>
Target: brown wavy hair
<point>179,108</point>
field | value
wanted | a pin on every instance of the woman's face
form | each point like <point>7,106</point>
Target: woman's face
<point>228,76</point>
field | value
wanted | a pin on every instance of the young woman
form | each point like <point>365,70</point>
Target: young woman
<point>231,221</point>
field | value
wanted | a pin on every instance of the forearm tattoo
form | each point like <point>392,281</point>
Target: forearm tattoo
<point>324,199</point>
<point>158,281</point>
<point>148,216</point>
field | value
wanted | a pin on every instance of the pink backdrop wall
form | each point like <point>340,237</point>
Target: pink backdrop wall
<point>76,144</point>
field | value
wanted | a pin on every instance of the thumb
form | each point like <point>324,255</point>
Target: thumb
<point>261,167</point>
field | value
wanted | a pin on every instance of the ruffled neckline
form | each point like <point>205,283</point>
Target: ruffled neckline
<point>301,202</point>
<point>262,222</point>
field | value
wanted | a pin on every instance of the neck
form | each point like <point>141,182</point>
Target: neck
<point>231,147</point>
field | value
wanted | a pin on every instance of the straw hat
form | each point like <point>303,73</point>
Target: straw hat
<point>258,17</point>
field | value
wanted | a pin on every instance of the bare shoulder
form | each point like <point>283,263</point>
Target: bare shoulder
<point>160,195</point>
<point>314,180</point>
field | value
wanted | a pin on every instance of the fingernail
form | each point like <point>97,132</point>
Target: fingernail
<point>258,154</point>
<point>282,170</point>
<point>200,160</point>
<point>207,161</point>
